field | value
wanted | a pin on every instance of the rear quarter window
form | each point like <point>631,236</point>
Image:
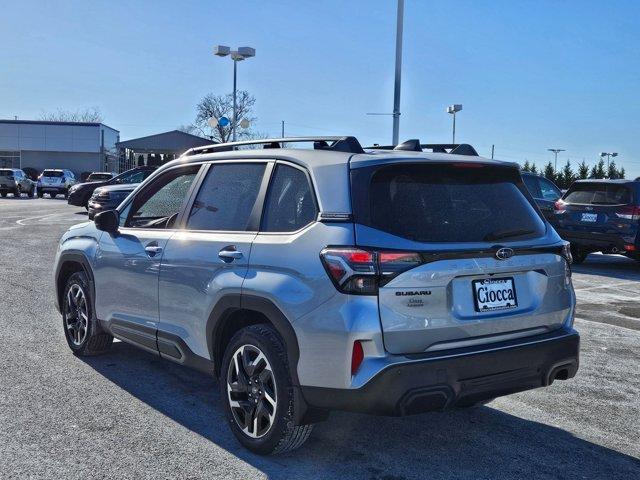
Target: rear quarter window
<point>444,203</point>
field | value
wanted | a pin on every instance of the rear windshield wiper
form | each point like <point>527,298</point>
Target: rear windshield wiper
<point>506,234</point>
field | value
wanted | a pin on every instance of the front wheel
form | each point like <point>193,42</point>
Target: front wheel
<point>81,329</point>
<point>17,192</point>
<point>256,388</point>
<point>32,191</point>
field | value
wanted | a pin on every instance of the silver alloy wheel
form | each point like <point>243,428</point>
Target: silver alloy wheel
<point>76,315</point>
<point>251,390</point>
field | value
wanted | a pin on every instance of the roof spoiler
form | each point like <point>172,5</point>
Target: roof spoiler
<point>414,145</point>
<point>337,144</point>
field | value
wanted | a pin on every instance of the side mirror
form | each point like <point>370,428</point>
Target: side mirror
<point>107,221</point>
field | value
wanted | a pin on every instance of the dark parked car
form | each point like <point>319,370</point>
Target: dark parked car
<point>14,180</point>
<point>81,193</point>
<point>543,191</point>
<point>108,197</point>
<point>600,216</point>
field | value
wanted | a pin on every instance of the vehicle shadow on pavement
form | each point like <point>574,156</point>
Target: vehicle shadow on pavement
<point>474,443</point>
<point>610,266</point>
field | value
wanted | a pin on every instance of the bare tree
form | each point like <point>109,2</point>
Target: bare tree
<point>89,115</point>
<point>216,106</point>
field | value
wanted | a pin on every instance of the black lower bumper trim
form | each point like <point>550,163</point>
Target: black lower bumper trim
<point>440,383</point>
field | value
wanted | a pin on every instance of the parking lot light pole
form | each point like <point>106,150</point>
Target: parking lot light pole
<point>555,151</point>
<point>237,56</point>
<point>452,109</point>
<point>608,155</point>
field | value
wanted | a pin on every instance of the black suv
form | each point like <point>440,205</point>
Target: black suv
<point>80,193</point>
<point>600,216</point>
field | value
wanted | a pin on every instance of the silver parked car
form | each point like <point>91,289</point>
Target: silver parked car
<point>390,282</point>
<point>14,180</point>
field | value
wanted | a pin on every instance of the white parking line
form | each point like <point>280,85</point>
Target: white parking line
<point>611,285</point>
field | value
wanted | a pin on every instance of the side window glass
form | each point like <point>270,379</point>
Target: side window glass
<point>158,206</point>
<point>549,191</point>
<point>532,185</point>
<point>226,197</point>
<point>290,203</point>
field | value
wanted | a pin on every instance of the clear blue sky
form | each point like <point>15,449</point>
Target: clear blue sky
<point>531,74</point>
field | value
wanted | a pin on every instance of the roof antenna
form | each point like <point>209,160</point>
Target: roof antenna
<point>412,145</point>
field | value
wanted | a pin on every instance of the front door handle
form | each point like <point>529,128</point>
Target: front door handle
<point>153,249</point>
<point>229,254</point>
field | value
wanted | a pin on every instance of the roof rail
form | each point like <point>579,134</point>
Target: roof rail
<point>337,144</point>
<point>414,145</point>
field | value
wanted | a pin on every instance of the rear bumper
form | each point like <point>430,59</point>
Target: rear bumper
<point>457,377</point>
<point>51,189</point>
<point>595,241</point>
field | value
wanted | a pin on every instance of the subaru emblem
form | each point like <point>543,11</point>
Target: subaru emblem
<point>504,253</point>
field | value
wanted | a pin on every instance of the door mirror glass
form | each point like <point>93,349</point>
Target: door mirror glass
<point>107,221</point>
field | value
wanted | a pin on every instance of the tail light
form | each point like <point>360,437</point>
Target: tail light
<point>362,272</point>
<point>630,212</point>
<point>559,207</point>
<point>357,356</point>
<point>566,254</point>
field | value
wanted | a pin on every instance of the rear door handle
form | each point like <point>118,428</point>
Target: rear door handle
<point>229,254</point>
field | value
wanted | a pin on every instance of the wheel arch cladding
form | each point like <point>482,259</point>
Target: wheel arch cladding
<point>69,264</point>
<point>234,312</point>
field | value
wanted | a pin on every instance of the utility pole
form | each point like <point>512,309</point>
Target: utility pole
<point>492,149</point>
<point>398,80</point>
<point>282,129</point>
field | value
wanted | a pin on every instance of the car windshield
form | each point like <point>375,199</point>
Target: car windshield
<point>52,173</point>
<point>98,176</point>
<point>449,203</point>
<point>136,176</point>
<point>598,194</point>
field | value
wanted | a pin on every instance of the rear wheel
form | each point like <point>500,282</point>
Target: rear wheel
<point>578,255</point>
<point>32,191</point>
<point>39,193</point>
<point>81,329</point>
<point>4,194</point>
<point>255,385</point>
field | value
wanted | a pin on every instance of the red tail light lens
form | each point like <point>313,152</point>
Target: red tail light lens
<point>357,356</point>
<point>559,207</point>
<point>361,272</point>
<point>630,212</point>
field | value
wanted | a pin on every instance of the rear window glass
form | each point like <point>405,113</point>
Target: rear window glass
<point>52,173</point>
<point>598,194</point>
<point>4,173</point>
<point>444,203</point>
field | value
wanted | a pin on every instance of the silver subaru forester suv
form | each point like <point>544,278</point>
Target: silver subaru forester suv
<point>389,281</point>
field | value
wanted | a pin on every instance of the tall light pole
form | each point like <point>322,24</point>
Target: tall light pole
<point>608,155</point>
<point>237,56</point>
<point>398,81</point>
<point>452,109</point>
<point>555,151</point>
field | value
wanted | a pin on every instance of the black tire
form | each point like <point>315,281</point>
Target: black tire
<point>17,192</point>
<point>578,255</point>
<point>39,193</point>
<point>3,194</point>
<point>95,341</point>
<point>66,194</point>
<point>32,192</point>
<point>283,435</point>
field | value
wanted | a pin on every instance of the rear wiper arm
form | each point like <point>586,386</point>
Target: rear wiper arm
<point>506,234</point>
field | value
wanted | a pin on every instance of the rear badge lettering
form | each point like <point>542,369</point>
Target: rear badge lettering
<point>413,293</point>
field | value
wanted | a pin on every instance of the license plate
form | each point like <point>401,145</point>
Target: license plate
<point>589,217</point>
<point>492,294</point>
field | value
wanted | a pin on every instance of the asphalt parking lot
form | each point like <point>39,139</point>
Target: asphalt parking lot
<point>128,414</point>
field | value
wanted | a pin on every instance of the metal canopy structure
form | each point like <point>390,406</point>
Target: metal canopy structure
<point>157,149</point>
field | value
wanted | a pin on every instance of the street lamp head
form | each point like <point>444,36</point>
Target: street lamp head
<point>247,52</point>
<point>614,154</point>
<point>454,108</point>
<point>221,50</point>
